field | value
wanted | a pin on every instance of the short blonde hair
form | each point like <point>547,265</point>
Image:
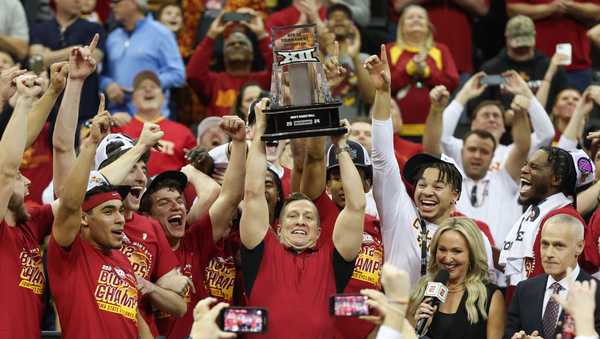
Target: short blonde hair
<point>428,44</point>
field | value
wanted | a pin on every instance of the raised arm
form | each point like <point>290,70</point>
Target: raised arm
<point>576,125</point>
<point>586,11</point>
<point>434,123</point>
<point>67,221</point>
<point>81,65</point>
<point>477,7</point>
<point>254,223</point>
<point>207,191</point>
<point>8,85</point>
<point>348,229</point>
<point>367,92</point>
<point>521,133</point>
<point>535,12</point>
<point>13,141</point>
<point>222,210</point>
<point>544,91</point>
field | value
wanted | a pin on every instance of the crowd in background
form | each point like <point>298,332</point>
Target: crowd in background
<point>473,148</point>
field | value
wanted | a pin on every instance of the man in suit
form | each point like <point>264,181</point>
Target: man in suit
<point>533,312</point>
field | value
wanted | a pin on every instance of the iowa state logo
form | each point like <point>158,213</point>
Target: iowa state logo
<point>297,57</point>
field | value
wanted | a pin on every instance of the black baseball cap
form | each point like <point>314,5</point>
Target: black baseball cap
<point>421,160</point>
<point>179,178</point>
<point>360,158</point>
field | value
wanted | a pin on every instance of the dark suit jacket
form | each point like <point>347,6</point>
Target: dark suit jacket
<point>525,310</point>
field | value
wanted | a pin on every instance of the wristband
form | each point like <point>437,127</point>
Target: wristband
<point>345,148</point>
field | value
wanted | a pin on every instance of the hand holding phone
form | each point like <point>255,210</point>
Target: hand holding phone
<point>243,320</point>
<point>236,17</point>
<point>493,80</point>
<point>565,49</point>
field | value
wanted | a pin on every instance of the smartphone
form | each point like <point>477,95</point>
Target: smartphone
<point>565,49</point>
<point>493,80</point>
<point>243,320</point>
<point>236,17</point>
<point>348,305</point>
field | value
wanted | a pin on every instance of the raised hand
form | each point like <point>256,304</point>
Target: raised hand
<point>342,139</point>
<point>333,70</point>
<point>472,88</point>
<point>256,24</point>
<point>81,60</point>
<point>151,134</point>
<point>439,97</point>
<point>58,76</point>
<point>259,109</point>
<point>217,27</point>
<point>379,70</point>
<point>8,84</point>
<point>28,86</point>
<point>354,42</point>
<point>515,84</point>
<point>201,160</point>
<point>205,320</point>
<point>520,104</point>
<point>234,127</point>
<point>100,127</point>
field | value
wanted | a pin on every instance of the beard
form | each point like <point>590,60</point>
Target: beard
<point>17,206</point>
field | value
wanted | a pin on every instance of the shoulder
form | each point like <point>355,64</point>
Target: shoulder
<point>158,28</point>
<point>534,282</point>
<point>568,210</point>
<point>442,47</point>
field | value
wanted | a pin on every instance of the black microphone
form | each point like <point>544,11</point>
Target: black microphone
<point>437,291</point>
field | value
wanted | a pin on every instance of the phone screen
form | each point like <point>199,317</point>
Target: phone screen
<point>349,305</point>
<point>493,80</point>
<point>244,320</point>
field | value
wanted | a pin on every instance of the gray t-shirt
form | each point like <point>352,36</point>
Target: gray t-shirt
<point>13,21</point>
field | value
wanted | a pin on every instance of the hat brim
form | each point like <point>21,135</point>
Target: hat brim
<point>522,41</point>
<point>176,176</point>
<point>417,161</point>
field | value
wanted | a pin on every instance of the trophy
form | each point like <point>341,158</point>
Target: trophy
<point>301,102</point>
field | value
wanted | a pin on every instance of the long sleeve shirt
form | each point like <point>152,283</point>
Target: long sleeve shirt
<point>150,46</point>
<point>220,89</point>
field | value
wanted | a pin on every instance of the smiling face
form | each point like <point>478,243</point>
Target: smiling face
<point>453,255</point>
<point>477,154</point>
<point>489,118</point>
<point>104,225</point>
<point>299,225</point>
<point>237,48</point>
<point>137,180</point>
<point>536,179</point>
<point>336,188</point>
<point>249,95</point>
<point>148,96</point>
<point>168,208</point>
<point>361,133</point>
<point>171,17</point>
<point>433,197</point>
<point>565,105</point>
<point>561,243</point>
<point>340,24</point>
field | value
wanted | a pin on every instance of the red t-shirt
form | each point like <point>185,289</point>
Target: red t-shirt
<point>150,255</point>
<point>591,257</point>
<point>562,28</point>
<point>95,292</point>
<point>287,17</point>
<point>36,165</point>
<point>22,275</point>
<point>195,251</point>
<point>178,139</point>
<point>405,149</point>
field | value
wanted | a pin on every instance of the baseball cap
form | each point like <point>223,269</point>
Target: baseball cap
<point>207,123</point>
<point>143,75</point>
<point>418,161</point>
<point>520,32</point>
<point>338,6</point>
<point>111,148</point>
<point>99,191</point>
<point>359,155</point>
<point>179,178</point>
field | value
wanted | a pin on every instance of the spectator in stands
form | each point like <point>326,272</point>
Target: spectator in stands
<point>489,196</point>
<point>88,11</point>
<point>210,134</point>
<point>352,87</point>
<point>249,92</point>
<point>594,34</point>
<point>299,12</point>
<point>140,44</point>
<point>220,89</point>
<point>14,32</point>
<point>490,116</point>
<point>520,55</point>
<point>327,264</point>
<point>361,133</point>
<point>170,15</point>
<point>562,22</point>
<point>178,140</point>
<point>53,41</point>
<point>533,307</point>
<point>418,64</point>
<point>563,109</point>
<point>474,307</point>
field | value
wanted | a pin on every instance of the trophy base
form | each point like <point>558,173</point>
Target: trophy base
<point>303,121</point>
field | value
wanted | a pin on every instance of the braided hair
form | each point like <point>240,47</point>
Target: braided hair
<point>447,174</point>
<point>562,166</point>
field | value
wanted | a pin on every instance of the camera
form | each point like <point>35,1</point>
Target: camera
<point>493,80</point>
<point>243,320</point>
<point>237,17</point>
<point>348,305</point>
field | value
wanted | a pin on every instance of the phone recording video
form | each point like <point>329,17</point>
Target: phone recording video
<point>493,80</point>
<point>243,320</point>
<point>237,17</point>
<point>348,305</point>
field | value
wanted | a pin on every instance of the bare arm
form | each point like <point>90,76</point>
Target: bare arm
<point>535,12</point>
<point>594,35</point>
<point>143,328</point>
<point>207,191</point>
<point>434,124</point>
<point>67,221</point>
<point>584,10</point>
<point>49,56</point>
<point>222,211</point>
<point>587,201</point>
<point>544,90</point>
<point>314,168</point>
<point>576,124</point>
<point>496,316</point>
<point>15,46</point>
<point>367,92</point>
<point>163,299</point>
<point>521,133</point>
<point>298,147</point>
<point>348,229</point>
<point>254,223</point>
<point>477,7</point>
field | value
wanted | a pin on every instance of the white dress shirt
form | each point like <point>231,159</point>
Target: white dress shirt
<point>386,332</point>
<point>564,283</point>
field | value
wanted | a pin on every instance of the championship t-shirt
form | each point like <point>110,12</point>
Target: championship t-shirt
<point>94,291</point>
<point>195,251</point>
<point>150,255</point>
<point>221,273</point>
<point>178,139</point>
<point>22,278</point>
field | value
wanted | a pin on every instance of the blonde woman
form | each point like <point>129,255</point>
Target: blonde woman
<point>474,308</point>
<point>417,64</point>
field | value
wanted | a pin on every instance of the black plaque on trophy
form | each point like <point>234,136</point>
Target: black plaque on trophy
<point>301,102</point>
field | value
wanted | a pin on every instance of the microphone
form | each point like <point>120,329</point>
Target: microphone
<point>437,291</point>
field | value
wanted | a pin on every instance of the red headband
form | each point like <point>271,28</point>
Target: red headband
<point>98,199</point>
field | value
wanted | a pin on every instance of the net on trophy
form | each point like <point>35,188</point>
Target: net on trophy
<point>301,102</point>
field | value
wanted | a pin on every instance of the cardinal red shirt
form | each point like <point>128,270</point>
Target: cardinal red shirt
<point>195,252</point>
<point>94,291</point>
<point>591,261</point>
<point>178,139</point>
<point>150,255</point>
<point>22,278</point>
<point>288,16</point>
<point>36,165</point>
